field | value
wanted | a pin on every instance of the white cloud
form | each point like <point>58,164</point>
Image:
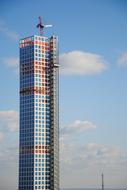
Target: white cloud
<point>11,34</point>
<point>77,126</point>
<point>88,159</point>
<point>102,153</point>
<point>12,62</point>
<point>9,148</point>
<point>1,136</point>
<point>82,63</point>
<point>86,162</point>
<point>9,119</point>
<point>123,60</point>
<point>91,154</point>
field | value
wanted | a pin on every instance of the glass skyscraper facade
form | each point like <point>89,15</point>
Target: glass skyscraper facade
<point>39,114</point>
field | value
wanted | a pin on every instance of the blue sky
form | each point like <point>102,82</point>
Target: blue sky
<point>93,90</point>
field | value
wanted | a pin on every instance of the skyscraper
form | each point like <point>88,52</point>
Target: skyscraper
<point>39,113</point>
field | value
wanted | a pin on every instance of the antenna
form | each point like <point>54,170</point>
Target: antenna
<point>41,26</point>
<point>102,181</point>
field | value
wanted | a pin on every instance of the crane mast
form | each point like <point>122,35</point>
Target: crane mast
<point>41,26</point>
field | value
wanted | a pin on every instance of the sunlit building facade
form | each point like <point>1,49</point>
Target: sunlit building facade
<point>39,114</point>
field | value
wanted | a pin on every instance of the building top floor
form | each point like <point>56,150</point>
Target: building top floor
<point>38,38</point>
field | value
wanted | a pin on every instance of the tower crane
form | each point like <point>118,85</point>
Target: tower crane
<point>41,26</point>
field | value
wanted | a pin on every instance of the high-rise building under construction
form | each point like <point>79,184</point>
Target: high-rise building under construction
<point>39,114</point>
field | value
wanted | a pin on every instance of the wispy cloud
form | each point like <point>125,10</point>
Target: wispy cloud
<point>88,159</point>
<point>12,62</point>
<point>82,63</point>
<point>77,126</point>
<point>8,32</point>
<point>122,61</point>
<point>9,120</point>
<point>9,147</point>
<point>1,136</point>
<point>91,154</point>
